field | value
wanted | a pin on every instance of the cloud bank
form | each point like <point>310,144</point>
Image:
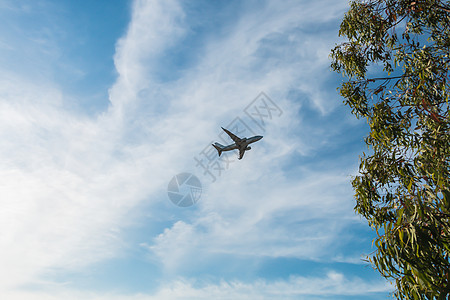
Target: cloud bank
<point>74,184</point>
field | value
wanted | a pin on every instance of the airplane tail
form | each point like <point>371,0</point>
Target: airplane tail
<point>218,147</point>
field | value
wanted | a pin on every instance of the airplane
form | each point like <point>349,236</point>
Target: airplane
<point>241,144</point>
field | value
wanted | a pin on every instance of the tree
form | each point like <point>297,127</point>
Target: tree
<point>403,187</point>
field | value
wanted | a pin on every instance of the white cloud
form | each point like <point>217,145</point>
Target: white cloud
<point>71,181</point>
<point>64,189</point>
<point>282,220</point>
<point>238,215</point>
<point>155,26</point>
<point>331,286</point>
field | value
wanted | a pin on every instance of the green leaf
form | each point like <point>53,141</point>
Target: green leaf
<point>403,187</point>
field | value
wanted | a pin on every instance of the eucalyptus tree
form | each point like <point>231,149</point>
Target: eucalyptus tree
<point>395,63</point>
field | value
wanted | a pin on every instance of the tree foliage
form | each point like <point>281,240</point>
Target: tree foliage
<point>403,188</point>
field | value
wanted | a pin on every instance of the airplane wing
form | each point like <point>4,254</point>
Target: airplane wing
<point>232,136</point>
<point>241,153</point>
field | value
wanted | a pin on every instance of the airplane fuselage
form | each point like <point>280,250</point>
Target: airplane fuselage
<point>242,144</point>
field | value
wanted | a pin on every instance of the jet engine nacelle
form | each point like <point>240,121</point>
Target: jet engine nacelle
<point>248,148</point>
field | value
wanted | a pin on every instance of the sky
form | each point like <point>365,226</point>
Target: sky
<point>103,103</point>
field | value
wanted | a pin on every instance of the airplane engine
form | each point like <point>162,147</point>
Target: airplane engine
<point>248,148</point>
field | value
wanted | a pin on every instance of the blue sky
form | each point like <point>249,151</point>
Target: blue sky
<point>103,102</point>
